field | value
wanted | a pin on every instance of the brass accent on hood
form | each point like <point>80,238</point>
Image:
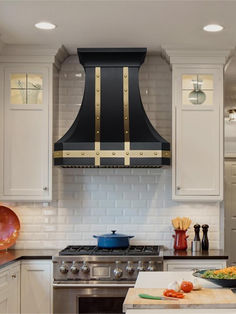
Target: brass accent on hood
<point>111,153</point>
<point>97,114</point>
<point>126,114</point>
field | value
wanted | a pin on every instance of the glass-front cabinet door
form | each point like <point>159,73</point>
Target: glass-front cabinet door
<point>26,132</point>
<point>26,88</point>
<point>198,101</point>
<point>197,89</point>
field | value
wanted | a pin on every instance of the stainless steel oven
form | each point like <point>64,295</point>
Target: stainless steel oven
<point>92,298</point>
<point>92,280</point>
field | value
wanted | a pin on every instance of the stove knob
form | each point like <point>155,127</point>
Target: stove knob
<point>130,268</point>
<point>64,268</point>
<point>140,266</point>
<point>74,268</point>
<point>151,266</point>
<point>84,268</point>
<point>118,271</point>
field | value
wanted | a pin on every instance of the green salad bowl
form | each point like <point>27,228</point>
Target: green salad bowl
<point>225,283</point>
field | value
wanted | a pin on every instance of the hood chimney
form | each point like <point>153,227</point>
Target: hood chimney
<point>111,128</point>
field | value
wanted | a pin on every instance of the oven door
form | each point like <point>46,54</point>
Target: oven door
<point>85,299</point>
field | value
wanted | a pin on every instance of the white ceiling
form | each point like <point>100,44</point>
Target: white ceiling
<point>114,23</point>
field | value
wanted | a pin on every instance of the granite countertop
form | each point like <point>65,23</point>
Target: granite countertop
<point>10,256</point>
<point>211,254</point>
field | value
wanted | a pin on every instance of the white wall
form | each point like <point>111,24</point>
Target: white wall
<point>94,201</point>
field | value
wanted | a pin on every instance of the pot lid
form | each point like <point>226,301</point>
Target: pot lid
<point>113,234</point>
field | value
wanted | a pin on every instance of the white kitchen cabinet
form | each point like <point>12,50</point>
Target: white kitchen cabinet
<point>4,287</point>
<point>14,288</point>
<point>198,133</point>
<point>197,126</point>
<point>26,157</point>
<point>28,91</point>
<point>193,264</point>
<point>10,289</point>
<point>36,286</point>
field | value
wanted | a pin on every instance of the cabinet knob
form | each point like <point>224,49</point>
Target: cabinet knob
<point>178,188</point>
<point>45,188</point>
<point>13,276</point>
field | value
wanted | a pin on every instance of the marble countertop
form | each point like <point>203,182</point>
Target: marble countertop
<point>162,279</point>
<point>10,256</point>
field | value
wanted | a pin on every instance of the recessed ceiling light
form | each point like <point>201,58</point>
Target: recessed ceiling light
<point>213,28</point>
<point>45,25</point>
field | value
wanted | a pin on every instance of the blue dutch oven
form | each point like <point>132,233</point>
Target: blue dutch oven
<point>113,240</point>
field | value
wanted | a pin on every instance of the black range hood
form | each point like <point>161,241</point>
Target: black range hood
<point>111,128</point>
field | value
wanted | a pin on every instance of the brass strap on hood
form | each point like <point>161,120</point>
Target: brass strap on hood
<point>126,114</point>
<point>97,114</point>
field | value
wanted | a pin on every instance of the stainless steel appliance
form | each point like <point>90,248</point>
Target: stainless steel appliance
<point>88,279</point>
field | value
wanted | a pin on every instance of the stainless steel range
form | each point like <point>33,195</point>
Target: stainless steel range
<point>88,279</point>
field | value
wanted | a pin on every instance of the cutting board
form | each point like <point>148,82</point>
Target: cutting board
<point>202,299</point>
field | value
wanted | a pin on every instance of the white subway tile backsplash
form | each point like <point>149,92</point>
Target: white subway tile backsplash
<point>123,204</point>
<point>74,219</point>
<point>48,228</point>
<point>109,220</point>
<point>99,195</point>
<point>95,201</point>
<point>122,220</point>
<point>90,219</point>
<point>65,228</point>
<point>114,212</point>
<point>74,236</point>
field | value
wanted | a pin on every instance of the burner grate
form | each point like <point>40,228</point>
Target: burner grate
<point>134,250</point>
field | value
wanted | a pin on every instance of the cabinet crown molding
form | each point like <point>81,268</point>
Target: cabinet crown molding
<point>33,54</point>
<point>180,56</point>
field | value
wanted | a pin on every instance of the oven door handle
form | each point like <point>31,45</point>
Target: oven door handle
<point>78,285</point>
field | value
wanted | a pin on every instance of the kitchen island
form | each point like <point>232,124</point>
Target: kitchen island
<point>153,280</point>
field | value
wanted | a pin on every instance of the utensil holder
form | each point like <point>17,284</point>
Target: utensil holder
<point>180,240</point>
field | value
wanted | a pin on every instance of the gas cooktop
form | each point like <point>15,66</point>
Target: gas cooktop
<point>92,264</point>
<point>134,250</point>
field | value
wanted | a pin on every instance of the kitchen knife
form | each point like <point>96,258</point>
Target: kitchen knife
<point>152,297</point>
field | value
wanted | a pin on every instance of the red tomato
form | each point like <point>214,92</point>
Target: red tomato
<point>173,294</point>
<point>186,286</point>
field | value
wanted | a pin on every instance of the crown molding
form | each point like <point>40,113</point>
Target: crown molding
<point>180,56</point>
<point>33,54</point>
